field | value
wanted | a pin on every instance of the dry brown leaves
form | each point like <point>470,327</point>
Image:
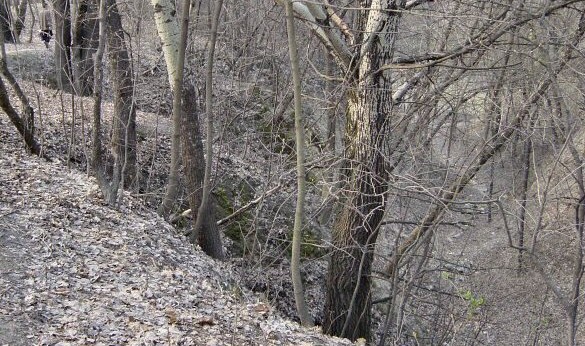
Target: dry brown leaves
<point>78,272</point>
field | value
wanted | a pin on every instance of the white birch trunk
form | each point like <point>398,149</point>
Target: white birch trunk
<point>169,33</point>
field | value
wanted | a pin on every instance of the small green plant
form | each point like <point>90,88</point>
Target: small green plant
<point>474,302</point>
<point>446,275</point>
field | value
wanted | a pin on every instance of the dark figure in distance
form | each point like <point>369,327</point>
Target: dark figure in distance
<point>46,25</point>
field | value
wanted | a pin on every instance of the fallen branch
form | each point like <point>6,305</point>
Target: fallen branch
<point>443,223</point>
<point>188,213</point>
<point>249,205</point>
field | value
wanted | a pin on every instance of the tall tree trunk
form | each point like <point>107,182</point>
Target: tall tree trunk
<point>168,31</point>
<point>209,238</point>
<point>62,28</point>
<point>84,45</point>
<point>124,124</point>
<point>192,146</point>
<point>348,297</point>
<point>97,160</point>
<point>348,300</point>
<point>295,262</point>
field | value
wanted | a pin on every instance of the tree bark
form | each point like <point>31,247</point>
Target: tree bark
<point>84,45</point>
<point>124,123</point>
<point>165,16</point>
<point>348,297</point>
<point>171,37</point>
<point>348,300</point>
<point>295,263</point>
<point>62,28</point>
<point>209,238</point>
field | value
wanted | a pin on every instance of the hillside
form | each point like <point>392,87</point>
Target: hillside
<point>498,260</point>
<point>75,271</point>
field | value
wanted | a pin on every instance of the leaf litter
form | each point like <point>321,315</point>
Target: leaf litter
<point>78,272</point>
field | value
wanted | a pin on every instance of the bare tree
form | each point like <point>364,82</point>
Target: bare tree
<point>205,228</point>
<point>378,132</point>
<point>186,129</point>
<point>26,124</point>
<point>295,265</point>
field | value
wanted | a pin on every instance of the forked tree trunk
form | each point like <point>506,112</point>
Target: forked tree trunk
<point>355,230</point>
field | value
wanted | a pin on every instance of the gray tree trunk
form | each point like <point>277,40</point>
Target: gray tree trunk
<point>209,237</point>
<point>84,45</point>
<point>348,298</point>
<point>62,32</point>
<point>123,138</point>
<point>295,263</point>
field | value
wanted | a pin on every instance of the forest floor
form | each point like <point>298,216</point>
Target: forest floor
<point>74,271</point>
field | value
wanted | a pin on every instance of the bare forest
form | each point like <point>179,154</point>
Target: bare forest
<point>283,172</point>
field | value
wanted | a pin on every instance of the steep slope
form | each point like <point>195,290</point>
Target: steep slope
<point>75,271</point>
